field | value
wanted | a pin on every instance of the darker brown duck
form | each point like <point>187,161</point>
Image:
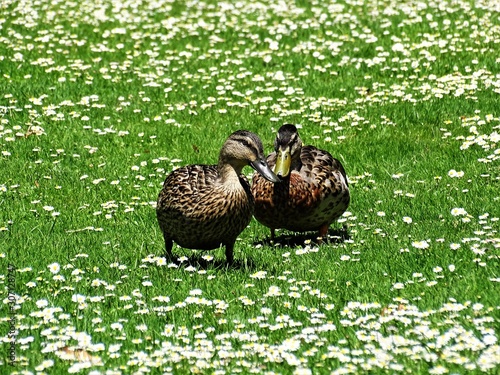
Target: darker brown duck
<point>313,191</point>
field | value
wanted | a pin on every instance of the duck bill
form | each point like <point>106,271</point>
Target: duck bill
<point>264,170</point>
<point>283,162</point>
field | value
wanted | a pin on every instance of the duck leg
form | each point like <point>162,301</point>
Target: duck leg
<point>229,252</point>
<point>322,232</point>
<point>168,245</point>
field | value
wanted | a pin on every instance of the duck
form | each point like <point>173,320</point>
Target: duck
<point>207,206</point>
<point>313,190</point>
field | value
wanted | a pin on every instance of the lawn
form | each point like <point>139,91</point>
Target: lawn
<point>99,101</point>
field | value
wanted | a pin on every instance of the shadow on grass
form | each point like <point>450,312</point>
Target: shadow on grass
<point>197,261</point>
<point>300,239</point>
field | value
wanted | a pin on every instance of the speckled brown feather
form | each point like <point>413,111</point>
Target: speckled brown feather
<point>197,212</point>
<point>309,199</point>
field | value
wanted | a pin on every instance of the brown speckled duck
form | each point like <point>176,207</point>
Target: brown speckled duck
<point>206,206</point>
<point>313,191</point>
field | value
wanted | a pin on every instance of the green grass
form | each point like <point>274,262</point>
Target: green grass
<point>395,90</point>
